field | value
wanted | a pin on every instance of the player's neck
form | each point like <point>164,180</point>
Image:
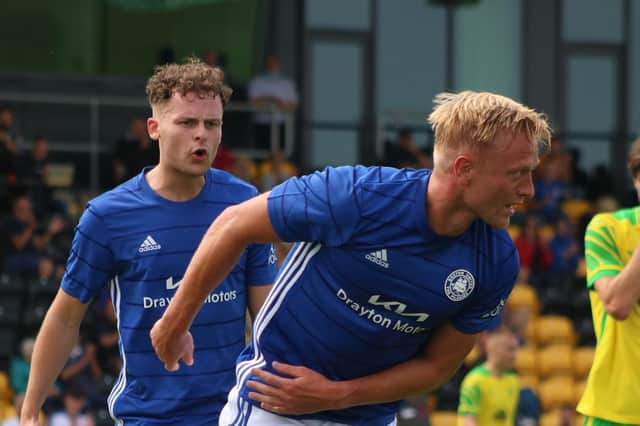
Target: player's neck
<point>173,185</point>
<point>446,213</point>
<point>494,368</point>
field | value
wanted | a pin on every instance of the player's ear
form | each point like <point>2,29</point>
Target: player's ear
<point>152,128</point>
<point>462,168</point>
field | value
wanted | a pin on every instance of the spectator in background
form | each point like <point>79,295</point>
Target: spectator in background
<point>8,148</point>
<point>245,169</point>
<point>106,335</point>
<point>275,170</point>
<point>579,180</point>
<point>489,392</point>
<point>225,159</point>
<point>565,252</point>
<point>551,188</point>
<point>83,371</point>
<point>134,151</point>
<point>404,152</point>
<point>7,123</point>
<point>19,366</point>
<point>271,88</point>
<point>75,403</point>
<point>22,242</point>
<point>601,182</point>
<point>33,164</point>
<point>535,256</point>
<point>213,58</point>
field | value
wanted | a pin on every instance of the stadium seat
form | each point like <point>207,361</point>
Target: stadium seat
<point>10,308</point>
<point>34,314</point>
<point>556,359</point>
<point>523,295</point>
<point>8,340</point>
<point>556,392</point>
<point>575,208</point>
<point>554,329</point>
<point>527,360</point>
<point>582,360</point>
<point>550,418</point>
<point>6,393</point>
<point>514,231</point>
<point>443,418</point>
<point>530,381</point>
<point>578,390</point>
<point>10,284</point>
<point>42,288</point>
<point>546,233</point>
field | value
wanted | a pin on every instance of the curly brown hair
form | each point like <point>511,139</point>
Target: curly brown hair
<point>192,76</point>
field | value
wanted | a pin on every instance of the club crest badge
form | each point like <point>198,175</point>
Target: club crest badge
<point>459,285</point>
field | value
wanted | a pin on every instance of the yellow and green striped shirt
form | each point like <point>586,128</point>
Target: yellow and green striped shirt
<point>492,400</point>
<point>613,387</point>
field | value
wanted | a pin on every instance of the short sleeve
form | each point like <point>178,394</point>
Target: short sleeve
<point>91,261</point>
<point>262,264</point>
<point>484,310</point>
<point>470,394</point>
<point>318,207</point>
<point>602,254</point>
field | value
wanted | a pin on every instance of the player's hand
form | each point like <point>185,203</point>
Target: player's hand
<point>169,348</point>
<point>298,390</point>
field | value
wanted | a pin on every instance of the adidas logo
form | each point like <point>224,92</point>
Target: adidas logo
<point>378,257</point>
<point>149,244</point>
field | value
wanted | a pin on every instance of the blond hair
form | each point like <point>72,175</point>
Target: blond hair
<point>472,119</point>
<point>194,76</point>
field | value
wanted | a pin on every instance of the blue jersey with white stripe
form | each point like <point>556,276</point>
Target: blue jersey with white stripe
<point>141,244</point>
<point>371,280</point>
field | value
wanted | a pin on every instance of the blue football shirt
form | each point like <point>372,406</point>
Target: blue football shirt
<point>140,245</point>
<point>369,280</point>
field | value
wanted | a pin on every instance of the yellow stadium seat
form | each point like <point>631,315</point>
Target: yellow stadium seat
<point>523,295</point>
<point>443,418</point>
<point>550,418</point>
<point>582,360</point>
<point>575,208</point>
<point>514,231</point>
<point>578,390</point>
<point>527,360</point>
<point>530,381</point>
<point>556,359</point>
<point>556,392</point>
<point>554,329</point>
<point>546,233</point>
<point>6,393</point>
<point>581,272</point>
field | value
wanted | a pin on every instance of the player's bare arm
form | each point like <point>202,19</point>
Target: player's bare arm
<point>300,390</point>
<point>58,334</point>
<point>620,293</point>
<point>218,252</point>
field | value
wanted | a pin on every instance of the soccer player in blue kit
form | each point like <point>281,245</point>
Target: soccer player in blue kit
<point>394,274</point>
<point>138,239</point>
